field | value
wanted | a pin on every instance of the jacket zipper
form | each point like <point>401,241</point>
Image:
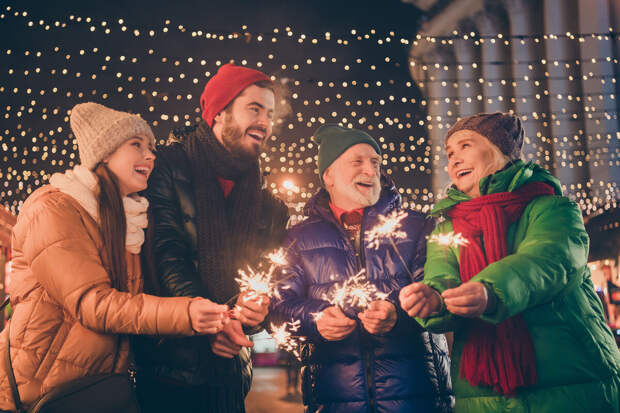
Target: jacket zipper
<point>361,259</point>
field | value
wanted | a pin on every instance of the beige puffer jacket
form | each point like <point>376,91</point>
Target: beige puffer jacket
<point>67,317</point>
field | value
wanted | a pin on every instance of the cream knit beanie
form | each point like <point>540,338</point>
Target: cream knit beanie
<point>99,130</point>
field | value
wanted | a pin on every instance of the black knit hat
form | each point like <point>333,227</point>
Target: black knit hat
<point>502,129</point>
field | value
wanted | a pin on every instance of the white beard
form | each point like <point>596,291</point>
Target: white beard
<point>351,192</point>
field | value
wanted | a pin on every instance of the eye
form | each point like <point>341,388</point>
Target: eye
<point>450,155</point>
<point>137,144</point>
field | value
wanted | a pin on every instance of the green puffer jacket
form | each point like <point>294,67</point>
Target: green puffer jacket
<point>545,278</point>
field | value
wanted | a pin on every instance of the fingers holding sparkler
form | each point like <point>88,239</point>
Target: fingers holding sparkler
<point>251,309</point>
<point>228,342</point>
<point>333,325</point>
<point>379,318</point>
<point>420,300</point>
<point>468,300</point>
<point>207,317</point>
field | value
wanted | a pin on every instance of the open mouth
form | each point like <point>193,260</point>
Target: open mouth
<point>257,135</point>
<point>363,185</point>
<point>463,173</point>
<point>142,170</point>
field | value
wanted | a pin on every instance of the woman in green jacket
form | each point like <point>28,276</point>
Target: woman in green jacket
<point>529,330</point>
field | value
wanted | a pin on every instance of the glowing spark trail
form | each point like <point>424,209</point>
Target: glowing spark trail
<point>388,227</point>
<point>284,338</point>
<point>449,239</point>
<point>356,291</point>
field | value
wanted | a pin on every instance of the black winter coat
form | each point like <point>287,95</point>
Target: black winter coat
<point>172,246</point>
<point>403,371</point>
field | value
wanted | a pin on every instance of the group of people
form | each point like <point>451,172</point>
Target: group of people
<point>129,260</point>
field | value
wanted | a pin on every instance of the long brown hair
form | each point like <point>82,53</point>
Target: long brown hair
<point>113,225</point>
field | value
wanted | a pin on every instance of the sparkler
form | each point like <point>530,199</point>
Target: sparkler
<point>449,239</point>
<point>284,338</point>
<point>389,227</point>
<point>355,291</point>
<point>256,284</point>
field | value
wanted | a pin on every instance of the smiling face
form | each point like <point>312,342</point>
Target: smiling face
<point>471,157</point>
<point>132,163</point>
<point>244,127</point>
<point>352,180</point>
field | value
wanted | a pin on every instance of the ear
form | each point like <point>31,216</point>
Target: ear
<point>328,177</point>
<point>219,118</point>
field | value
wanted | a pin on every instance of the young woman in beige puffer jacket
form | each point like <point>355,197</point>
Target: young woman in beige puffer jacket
<point>76,265</point>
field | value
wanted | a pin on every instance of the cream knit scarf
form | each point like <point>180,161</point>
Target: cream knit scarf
<point>81,184</point>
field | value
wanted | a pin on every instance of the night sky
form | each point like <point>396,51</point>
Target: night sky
<point>59,55</point>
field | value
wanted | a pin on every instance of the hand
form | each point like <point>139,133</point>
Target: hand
<point>333,325</point>
<point>467,300</point>
<point>419,300</point>
<point>228,342</point>
<point>207,317</point>
<point>379,317</point>
<point>251,311</point>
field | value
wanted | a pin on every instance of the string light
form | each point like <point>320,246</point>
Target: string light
<point>329,81</point>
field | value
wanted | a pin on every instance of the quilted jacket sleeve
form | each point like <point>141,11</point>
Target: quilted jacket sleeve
<point>441,272</point>
<point>175,270</point>
<point>294,303</point>
<point>66,262</point>
<point>550,258</point>
<point>405,324</point>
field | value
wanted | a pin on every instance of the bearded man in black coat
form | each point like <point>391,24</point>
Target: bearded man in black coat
<point>210,217</point>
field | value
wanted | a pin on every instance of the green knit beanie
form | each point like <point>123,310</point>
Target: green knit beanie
<point>333,140</point>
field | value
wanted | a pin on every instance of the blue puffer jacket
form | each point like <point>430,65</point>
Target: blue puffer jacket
<point>405,370</point>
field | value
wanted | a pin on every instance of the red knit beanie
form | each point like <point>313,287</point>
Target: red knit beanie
<point>224,87</point>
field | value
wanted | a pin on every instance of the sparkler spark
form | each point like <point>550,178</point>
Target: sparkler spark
<point>254,284</point>
<point>388,227</point>
<point>449,239</point>
<point>277,257</point>
<point>355,291</point>
<point>284,338</point>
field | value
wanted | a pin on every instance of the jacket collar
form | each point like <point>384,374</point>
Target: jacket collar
<point>389,199</point>
<point>512,176</point>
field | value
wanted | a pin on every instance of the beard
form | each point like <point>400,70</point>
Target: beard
<point>351,191</point>
<point>233,137</point>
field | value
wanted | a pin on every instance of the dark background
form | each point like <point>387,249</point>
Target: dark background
<point>125,70</point>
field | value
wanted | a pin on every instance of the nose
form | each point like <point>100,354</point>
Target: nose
<point>149,155</point>
<point>369,169</point>
<point>455,161</point>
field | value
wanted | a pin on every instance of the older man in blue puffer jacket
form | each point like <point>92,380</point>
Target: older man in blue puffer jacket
<point>377,360</point>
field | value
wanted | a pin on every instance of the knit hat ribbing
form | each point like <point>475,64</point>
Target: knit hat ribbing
<point>502,129</point>
<point>223,88</point>
<point>99,130</point>
<point>333,140</point>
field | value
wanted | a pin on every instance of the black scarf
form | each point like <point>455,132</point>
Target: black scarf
<point>226,226</point>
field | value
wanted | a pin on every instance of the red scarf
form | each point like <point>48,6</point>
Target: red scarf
<point>500,355</point>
